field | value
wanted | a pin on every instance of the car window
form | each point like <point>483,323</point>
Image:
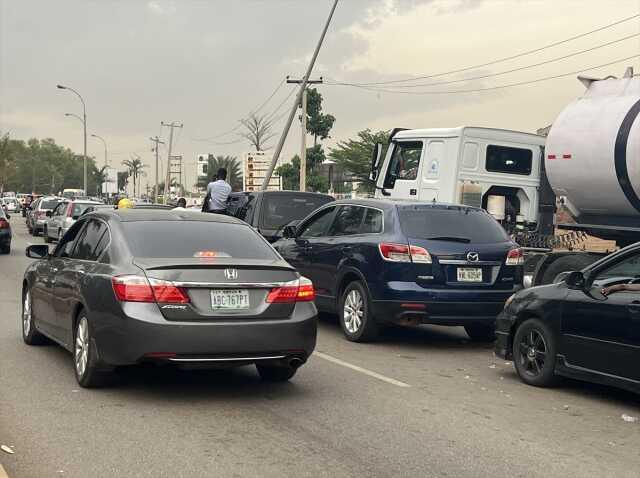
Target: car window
<point>87,242</point>
<point>65,246</point>
<point>103,243</point>
<point>79,209</point>
<point>372,223</point>
<point>404,163</point>
<point>48,204</point>
<point>60,209</point>
<point>347,221</point>
<point>188,239</point>
<point>317,226</point>
<point>278,210</point>
<point>627,268</point>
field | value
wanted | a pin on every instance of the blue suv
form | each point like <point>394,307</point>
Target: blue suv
<point>377,262</point>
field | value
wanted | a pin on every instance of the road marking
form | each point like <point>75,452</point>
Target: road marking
<point>370,373</point>
<point>3,474</point>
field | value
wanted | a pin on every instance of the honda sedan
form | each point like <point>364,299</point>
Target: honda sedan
<point>130,286</point>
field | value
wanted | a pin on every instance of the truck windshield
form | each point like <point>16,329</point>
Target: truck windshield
<point>280,209</point>
<point>451,223</point>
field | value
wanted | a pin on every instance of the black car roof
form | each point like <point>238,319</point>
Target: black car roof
<point>136,215</point>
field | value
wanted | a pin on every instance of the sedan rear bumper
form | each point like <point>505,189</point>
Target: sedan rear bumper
<point>145,334</point>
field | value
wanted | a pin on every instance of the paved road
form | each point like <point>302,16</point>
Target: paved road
<point>463,414</point>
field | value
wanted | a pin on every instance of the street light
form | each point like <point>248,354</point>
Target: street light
<point>105,147</point>
<point>84,123</point>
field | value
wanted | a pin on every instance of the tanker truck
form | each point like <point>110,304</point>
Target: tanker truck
<point>589,163</point>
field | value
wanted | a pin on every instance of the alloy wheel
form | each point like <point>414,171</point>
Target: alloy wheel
<point>26,314</point>
<point>81,355</point>
<point>532,353</point>
<point>353,311</point>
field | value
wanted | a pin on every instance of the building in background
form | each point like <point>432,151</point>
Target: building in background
<point>255,165</point>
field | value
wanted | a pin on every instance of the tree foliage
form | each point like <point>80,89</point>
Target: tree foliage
<point>233,167</point>
<point>135,166</point>
<point>354,156</point>
<point>123,180</point>
<point>318,124</point>
<point>258,130</point>
<point>290,173</point>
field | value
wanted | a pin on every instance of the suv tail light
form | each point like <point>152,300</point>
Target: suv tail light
<point>515,257</point>
<point>140,289</point>
<point>295,291</point>
<point>4,224</point>
<point>404,253</point>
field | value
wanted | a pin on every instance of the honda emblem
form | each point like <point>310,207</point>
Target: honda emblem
<point>231,274</point>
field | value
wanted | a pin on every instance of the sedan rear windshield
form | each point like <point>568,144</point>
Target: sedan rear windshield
<point>49,204</point>
<point>280,209</point>
<point>451,224</point>
<point>185,239</point>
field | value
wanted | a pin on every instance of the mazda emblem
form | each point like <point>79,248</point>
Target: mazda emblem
<point>231,274</point>
<point>473,257</point>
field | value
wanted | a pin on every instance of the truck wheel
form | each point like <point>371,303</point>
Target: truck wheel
<point>569,263</point>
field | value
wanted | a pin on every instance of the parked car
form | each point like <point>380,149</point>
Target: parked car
<point>5,232</point>
<point>30,216</point>
<point>38,216</point>
<point>11,204</point>
<point>270,211</point>
<point>62,218</point>
<point>585,327</point>
<point>129,286</point>
<point>29,199</point>
<point>377,262</point>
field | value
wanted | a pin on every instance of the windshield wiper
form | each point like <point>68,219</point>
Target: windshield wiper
<point>464,240</point>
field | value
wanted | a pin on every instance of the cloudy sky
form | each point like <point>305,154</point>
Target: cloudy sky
<point>208,63</point>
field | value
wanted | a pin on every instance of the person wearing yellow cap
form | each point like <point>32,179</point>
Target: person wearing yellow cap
<point>125,203</point>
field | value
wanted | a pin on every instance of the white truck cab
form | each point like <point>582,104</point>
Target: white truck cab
<point>496,169</point>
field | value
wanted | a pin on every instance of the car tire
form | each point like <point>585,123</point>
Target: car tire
<point>30,334</point>
<point>534,353</point>
<point>276,373</point>
<point>481,332</point>
<point>356,319</point>
<point>35,232</point>
<point>7,249</point>
<point>569,263</point>
<point>89,372</point>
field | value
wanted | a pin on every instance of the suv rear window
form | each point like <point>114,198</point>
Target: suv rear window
<point>278,210</point>
<point>49,204</point>
<point>178,239</point>
<point>452,223</point>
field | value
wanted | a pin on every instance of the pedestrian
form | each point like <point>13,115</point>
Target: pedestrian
<point>217,193</point>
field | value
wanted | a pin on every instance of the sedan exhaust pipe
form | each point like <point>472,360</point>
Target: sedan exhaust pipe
<point>295,362</point>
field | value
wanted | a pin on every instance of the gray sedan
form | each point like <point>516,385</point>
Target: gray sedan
<point>63,217</point>
<point>129,286</point>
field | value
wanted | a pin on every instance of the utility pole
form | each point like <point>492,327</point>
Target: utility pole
<point>157,141</point>
<point>285,131</point>
<point>171,127</point>
<point>303,120</point>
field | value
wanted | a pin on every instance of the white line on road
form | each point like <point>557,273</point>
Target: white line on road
<point>3,474</point>
<point>337,361</point>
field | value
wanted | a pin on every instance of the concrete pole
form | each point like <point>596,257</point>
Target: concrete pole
<point>303,152</point>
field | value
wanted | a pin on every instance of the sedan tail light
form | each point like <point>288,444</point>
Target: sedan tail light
<point>140,289</point>
<point>404,253</point>
<point>515,257</point>
<point>295,291</point>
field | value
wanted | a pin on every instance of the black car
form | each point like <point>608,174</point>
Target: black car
<point>5,232</point>
<point>270,211</point>
<point>586,327</point>
<point>376,262</point>
<point>128,286</point>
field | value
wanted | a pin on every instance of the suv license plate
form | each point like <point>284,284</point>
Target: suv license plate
<point>229,299</point>
<point>469,274</point>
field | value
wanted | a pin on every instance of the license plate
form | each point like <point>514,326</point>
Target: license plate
<point>469,274</point>
<point>229,299</point>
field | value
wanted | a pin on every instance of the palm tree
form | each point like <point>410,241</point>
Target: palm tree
<point>135,167</point>
<point>233,167</point>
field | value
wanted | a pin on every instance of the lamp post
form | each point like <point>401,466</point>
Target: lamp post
<point>106,163</point>
<point>84,123</point>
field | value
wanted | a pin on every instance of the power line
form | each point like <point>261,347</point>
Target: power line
<point>490,88</point>
<point>507,58</point>
<point>513,70</point>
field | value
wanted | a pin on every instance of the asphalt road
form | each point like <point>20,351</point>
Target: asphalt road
<point>423,402</point>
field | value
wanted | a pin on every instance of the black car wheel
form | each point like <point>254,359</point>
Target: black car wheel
<point>29,333</point>
<point>356,319</point>
<point>85,360</point>
<point>534,353</point>
<point>276,373</point>
<point>481,332</point>
<point>6,249</point>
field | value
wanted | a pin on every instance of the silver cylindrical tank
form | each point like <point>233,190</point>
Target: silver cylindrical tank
<point>593,150</point>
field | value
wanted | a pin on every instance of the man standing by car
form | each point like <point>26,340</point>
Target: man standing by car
<point>218,192</point>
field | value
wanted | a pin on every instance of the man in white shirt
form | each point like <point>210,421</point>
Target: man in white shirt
<point>218,192</point>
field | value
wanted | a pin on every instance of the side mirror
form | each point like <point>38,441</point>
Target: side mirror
<point>290,231</point>
<point>48,213</point>
<point>575,280</point>
<point>37,251</point>
<point>375,161</point>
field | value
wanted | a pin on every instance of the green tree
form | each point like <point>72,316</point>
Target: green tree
<point>123,180</point>
<point>135,167</point>
<point>318,124</point>
<point>6,160</point>
<point>290,173</point>
<point>233,167</point>
<point>354,156</point>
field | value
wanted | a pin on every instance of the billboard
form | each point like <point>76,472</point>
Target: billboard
<point>255,166</point>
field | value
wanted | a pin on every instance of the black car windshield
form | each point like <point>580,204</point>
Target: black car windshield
<point>451,223</point>
<point>185,239</point>
<point>49,204</point>
<point>280,209</point>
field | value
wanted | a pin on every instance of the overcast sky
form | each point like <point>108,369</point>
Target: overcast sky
<point>207,63</point>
